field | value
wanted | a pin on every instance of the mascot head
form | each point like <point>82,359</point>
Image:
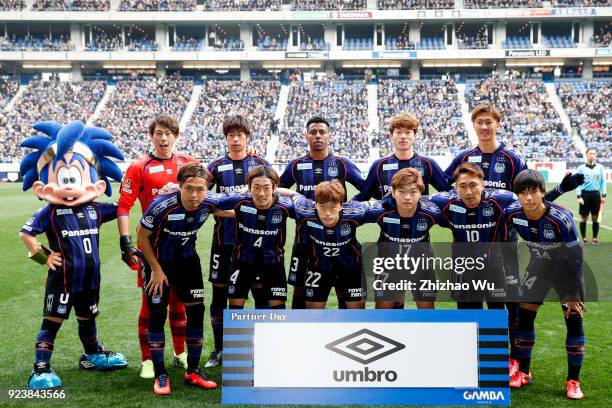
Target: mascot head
<point>70,165</point>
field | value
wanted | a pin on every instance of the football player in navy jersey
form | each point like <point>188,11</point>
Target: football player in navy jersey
<point>474,215</point>
<point>258,258</point>
<point>69,168</point>
<point>556,262</point>
<point>305,173</point>
<point>229,175</point>
<point>167,237</point>
<point>406,227</point>
<point>327,228</point>
<point>402,131</point>
<point>500,166</point>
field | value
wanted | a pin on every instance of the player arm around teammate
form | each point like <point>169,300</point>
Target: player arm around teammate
<point>167,236</point>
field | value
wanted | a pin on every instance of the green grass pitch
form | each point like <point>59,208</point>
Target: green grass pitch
<point>21,302</point>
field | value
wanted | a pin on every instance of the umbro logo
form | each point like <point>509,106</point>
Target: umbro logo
<point>365,346</point>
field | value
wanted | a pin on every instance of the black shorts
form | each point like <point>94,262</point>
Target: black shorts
<point>350,280</point>
<point>185,275</point>
<point>537,284</point>
<point>246,275</point>
<point>58,303</point>
<point>298,265</point>
<point>220,263</point>
<point>592,202</point>
<point>477,285</point>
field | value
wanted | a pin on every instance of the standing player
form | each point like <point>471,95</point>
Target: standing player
<point>167,237</point>
<point>142,180</point>
<point>556,261</point>
<point>306,173</point>
<point>69,170</point>
<point>402,131</point>
<point>592,194</point>
<point>229,175</point>
<point>500,166</point>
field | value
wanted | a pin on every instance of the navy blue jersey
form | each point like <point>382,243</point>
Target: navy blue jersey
<point>306,173</point>
<point>174,229</point>
<point>330,248</point>
<point>500,167</point>
<point>378,182</point>
<point>397,229</point>
<point>229,176</point>
<point>74,232</point>
<point>260,234</point>
<point>483,224</point>
<point>551,239</point>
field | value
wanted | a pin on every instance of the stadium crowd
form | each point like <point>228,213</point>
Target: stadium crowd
<point>134,103</point>
<point>105,42</point>
<point>237,5</point>
<point>9,5</point>
<point>255,100</point>
<point>530,123</point>
<point>41,100</point>
<point>31,43</point>
<point>71,5</point>
<point>472,42</point>
<point>580,3</point>
<point>415,4</point>
<point>603,40</point>
<point>484,4</point>
<point>8,89</point>
<point>143,44</point>
<point>589,107</point>
<point>329,4</point>
<point>434,103</point>
<point>343,103</point>
<point>157,5</point>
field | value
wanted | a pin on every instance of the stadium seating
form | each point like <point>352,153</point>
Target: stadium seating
<point>272,44</point>
<point>8,89</point>
<point>589,107</point>
<point>329,4</point>
<point>431,44</point>
<point>71,5</point>
<point>357,44</point>
<point>43,100</point>
<point>343,103</point>
<point>134,103</point>
<point>517,42</point>
<point>10,5</point>
<point>157,5</point>
<point>434,103</point>
<point>399,43</point>
<point>256,100</point>
<point>237,5</point>
<point>143,45</point>
<point>30,43</point>
<point>483,4</point>
<point>558,41</point>
<point>414,4</point>
<point>530,123</point>
<point>316,44</point>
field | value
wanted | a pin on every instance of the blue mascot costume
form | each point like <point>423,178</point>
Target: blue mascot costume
<point>69,168</point>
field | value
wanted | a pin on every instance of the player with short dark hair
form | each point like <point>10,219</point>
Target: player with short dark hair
<point>258,257</point>
<point>229,175</point>
<point>592,194</point>
<point>402,131</point>
<point>556,262</point>
<point>306,172</point>
<point>167,237</point>
<point>142,181</point>
<point>406,228</point>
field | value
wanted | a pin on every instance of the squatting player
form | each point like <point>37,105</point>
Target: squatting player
<point>306,172</point>
<point>142,181</point>
<point>556,262</point>
<point>167,237</point>
<point>406,227</point>
<point>228,175</point>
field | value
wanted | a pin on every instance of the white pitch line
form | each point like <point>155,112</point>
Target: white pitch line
<point>604,226</point>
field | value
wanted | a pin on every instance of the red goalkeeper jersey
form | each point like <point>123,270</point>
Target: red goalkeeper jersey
<point>145,177</point>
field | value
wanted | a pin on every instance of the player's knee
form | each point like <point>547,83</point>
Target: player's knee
<point>195,315</point>
<point>53,319</point>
